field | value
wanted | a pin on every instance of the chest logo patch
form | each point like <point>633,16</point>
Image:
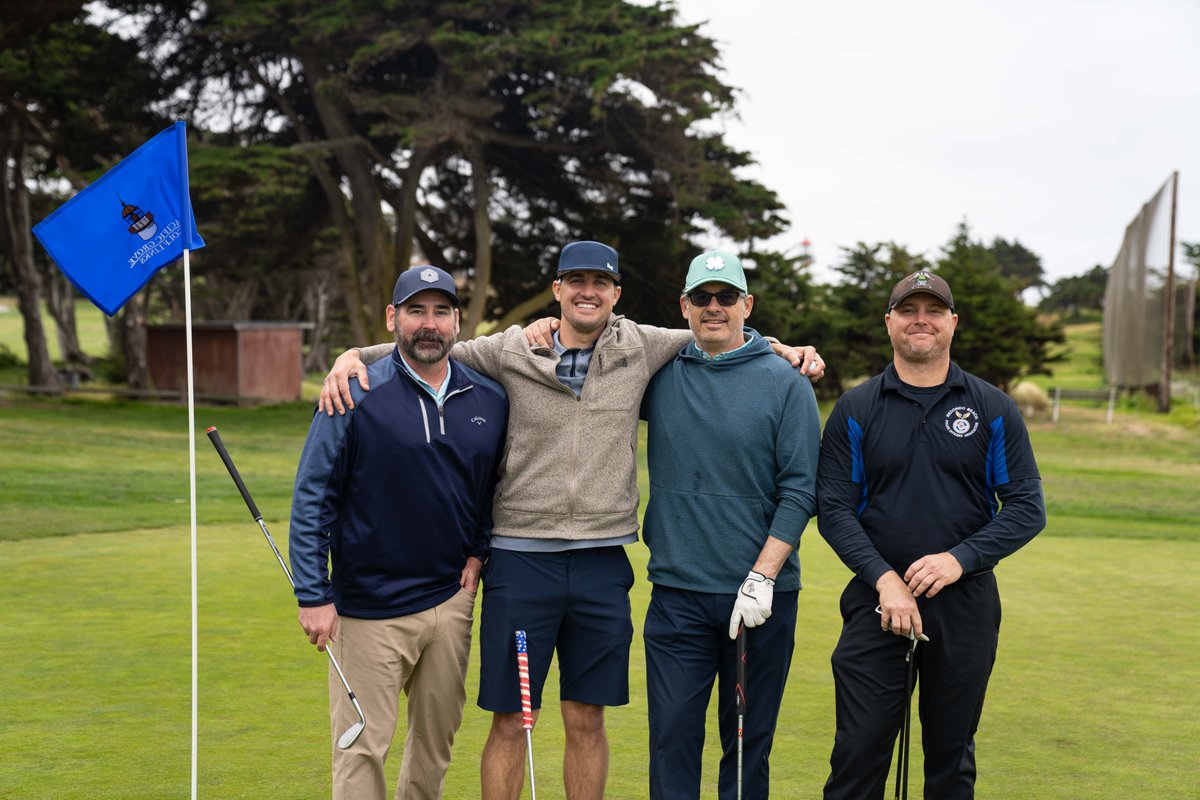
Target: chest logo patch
<point>478,420</point>
<point>962,421</point>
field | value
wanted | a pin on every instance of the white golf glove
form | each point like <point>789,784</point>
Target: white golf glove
<point>753,604</point>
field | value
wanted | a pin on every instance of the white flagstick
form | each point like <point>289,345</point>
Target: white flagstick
<point>191,404</point>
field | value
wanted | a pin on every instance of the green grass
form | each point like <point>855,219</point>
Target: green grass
<point>89,322</point>
<point>1133,479</point>
<point>1082,367</point>
<point>81,466</point>
<point>1093,694</point>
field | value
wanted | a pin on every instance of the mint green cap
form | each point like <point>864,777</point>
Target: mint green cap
<point>715,265</point>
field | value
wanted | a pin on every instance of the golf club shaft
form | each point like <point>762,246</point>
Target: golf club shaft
<point>215,438</point>
<point>912,653</point>
<point>906,725</point>
<point>529,749</point>
<point>740,701</point>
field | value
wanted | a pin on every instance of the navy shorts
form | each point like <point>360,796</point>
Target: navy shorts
<point>574,602</point>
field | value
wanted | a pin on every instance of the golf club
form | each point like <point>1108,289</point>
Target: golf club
<point>740,689</point>
<point>526,703</point>
<point>354,731</point>
<point>906,726</point>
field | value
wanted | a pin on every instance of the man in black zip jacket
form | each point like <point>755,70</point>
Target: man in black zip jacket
<point>926,480</point>
<point>396,497</point>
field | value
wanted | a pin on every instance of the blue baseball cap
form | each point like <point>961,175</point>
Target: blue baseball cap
<point>418,279</point>
<point>589,255</point>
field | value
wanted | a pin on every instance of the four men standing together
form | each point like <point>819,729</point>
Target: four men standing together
<point>732,453</point>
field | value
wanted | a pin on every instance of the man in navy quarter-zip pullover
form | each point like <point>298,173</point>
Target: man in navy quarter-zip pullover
<point>389,533</point>
<point>926,481</point>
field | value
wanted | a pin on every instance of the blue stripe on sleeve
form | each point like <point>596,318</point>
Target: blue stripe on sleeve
<point>858,472</point>
<point>997,463</point>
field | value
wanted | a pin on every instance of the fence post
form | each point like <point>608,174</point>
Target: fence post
<point>1112,399</point>
<point>1057,399</point>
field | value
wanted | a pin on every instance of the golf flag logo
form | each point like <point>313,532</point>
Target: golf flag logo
<point>139,223</point>
<point>134,220</point>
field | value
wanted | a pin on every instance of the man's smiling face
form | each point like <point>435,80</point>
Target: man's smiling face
<point>587,297</point>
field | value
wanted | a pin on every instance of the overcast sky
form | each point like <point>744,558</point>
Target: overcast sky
<point>1046,121</point>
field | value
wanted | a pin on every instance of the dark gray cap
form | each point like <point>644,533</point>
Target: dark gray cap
<point>921,281</point>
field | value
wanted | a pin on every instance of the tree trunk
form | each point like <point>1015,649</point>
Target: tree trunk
<point>316,303</point>
<point>482,194</point>
<point>60,299</point>
<point>519,314</point>
<point>133,340</point>
<point>352,289</point>
<point>14,209</point>
<point>406,210</point>
<point>373,233</point>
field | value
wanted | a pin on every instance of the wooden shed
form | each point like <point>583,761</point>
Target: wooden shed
<point>232,360</point>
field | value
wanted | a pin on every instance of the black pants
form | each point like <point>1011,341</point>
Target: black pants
<point>963,625</point>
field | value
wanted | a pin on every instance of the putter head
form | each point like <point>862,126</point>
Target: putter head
<point>351,735</point>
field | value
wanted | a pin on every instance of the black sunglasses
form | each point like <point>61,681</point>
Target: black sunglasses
<point>726,297</point>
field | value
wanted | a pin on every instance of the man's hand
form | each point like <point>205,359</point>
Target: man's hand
<point>335,391</point>
<point>753,604</point>
<point>320,623</point>
<point>897,606</point>
<point>540,333</point>
<point>806,358</point>
<point>930,574</point>
<point>470,574</point>
<point>811,363</point>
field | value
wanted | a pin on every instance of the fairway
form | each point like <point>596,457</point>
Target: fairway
<point>1092,697</point>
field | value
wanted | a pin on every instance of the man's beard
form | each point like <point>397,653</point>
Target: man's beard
<point>928,355</point>
<point>424,355</point>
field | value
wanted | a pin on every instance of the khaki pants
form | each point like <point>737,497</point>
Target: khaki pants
<point>425,655</point>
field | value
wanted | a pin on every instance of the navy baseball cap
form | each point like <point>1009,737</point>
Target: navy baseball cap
<point>418,279</point>
<point>589,255</point>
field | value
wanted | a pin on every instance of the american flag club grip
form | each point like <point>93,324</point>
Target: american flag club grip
<point>523,677</point>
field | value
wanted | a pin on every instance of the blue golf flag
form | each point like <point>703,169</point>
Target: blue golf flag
<point>134,220</point>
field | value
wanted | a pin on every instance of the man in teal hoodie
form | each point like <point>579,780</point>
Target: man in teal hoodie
<point>732,450</point>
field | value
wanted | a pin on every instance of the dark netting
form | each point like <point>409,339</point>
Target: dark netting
<point>1134,297</point>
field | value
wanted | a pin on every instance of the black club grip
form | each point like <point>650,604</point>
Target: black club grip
<point>215,438</point>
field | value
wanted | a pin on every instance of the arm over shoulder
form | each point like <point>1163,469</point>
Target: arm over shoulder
<point>374,352</point>
<point>483,352</point>
<point>662,344</point>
